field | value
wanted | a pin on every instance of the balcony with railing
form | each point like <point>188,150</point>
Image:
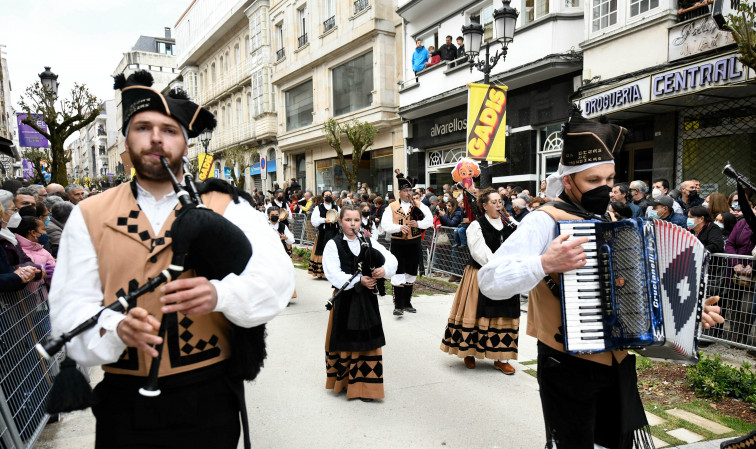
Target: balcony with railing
<point>360,5</point>
<point>329,24</point>
<point>226,137</point>
<point>302,40</point>
<point>224,82</point>
<point>690,9</point>
<point>280,54</point>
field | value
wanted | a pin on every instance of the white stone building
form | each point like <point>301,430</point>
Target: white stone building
<point>542,68</point>
<point>336,59</point>
<point>156,55</point>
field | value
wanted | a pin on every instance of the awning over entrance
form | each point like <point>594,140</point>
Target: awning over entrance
<point>699,83</point>
<point>7,148</point>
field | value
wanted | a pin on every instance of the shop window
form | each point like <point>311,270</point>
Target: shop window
<point>353,85</point>
<point>641,6</point>
<point>603,14</point>
<point>299,106</point>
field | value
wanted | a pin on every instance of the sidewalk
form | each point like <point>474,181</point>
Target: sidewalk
<point>432,400</point>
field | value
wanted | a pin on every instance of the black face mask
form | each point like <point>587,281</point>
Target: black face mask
<point>273,218</point>
<point>280,199</point>
<point>693,195</point>
<point>365,213</point>
<point>328,199</point>
<point>596,200</point>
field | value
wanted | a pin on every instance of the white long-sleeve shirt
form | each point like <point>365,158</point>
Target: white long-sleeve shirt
<point>252,298</point>
<point>477,244</point>
<point>387,220</point>
<point>332,264</point>
<point>289,236</point>
<point>516,266</point>
<point>315,218</point>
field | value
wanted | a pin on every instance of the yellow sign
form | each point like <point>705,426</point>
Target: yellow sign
<point>205,162</point>
<point>486,122</point>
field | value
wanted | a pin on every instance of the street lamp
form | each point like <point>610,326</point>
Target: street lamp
<point>49,81</point>
<point>504,20</point>
<point>205,137</point>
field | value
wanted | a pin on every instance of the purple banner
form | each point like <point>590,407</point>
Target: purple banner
<point>28,167</point>
<point>28,136</point>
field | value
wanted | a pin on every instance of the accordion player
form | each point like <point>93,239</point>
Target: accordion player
<point>642,288</point>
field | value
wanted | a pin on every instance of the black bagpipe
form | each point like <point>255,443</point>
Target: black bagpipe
<point>368,260</point>
<point>213,247</point>
<point>730,172</point>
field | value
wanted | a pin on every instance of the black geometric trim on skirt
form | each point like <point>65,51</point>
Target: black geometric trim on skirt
<point>359,371</point>
<point>469,338</point>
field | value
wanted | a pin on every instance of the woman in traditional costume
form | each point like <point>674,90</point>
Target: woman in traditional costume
<point>479,327</point>
<point>355,333</point>
<point>327,228</point>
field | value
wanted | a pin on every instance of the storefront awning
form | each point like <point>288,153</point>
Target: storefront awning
<point>7,148</point>
<point>713,80</point>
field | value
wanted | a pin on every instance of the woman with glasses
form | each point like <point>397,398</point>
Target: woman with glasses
<point>479,327</point>
<point>13,251</point>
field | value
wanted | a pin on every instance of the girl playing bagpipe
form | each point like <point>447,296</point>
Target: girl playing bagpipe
<point>355,334</point>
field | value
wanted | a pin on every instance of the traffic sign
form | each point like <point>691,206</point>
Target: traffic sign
<point>263,168</point>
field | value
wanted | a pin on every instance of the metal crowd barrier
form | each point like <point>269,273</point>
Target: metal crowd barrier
<point>447,256</point>
<point>25,378</point>
<point>297,223</point>
<point>737,298</point>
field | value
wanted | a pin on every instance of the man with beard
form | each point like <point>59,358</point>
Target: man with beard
<point>114,242</point>
<point>586,399</point>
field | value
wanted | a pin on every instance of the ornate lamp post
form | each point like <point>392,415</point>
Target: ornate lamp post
<point>49,81</point>
<point>205,137</point>
<point>504,24</point>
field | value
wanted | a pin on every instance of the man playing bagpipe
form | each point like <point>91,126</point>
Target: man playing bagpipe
<point>354,263</point>
<point>405,220</point>
<point>587,399</point>
<point>119,239</point>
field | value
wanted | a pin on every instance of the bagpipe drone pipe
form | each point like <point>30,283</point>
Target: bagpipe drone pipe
<point>202,240</point>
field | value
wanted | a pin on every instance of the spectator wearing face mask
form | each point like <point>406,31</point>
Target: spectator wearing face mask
<point>663,211</point>
<point>32,237</point>
<point>726,222</point>
<point>689,194</point>
<point>699,222</point>
<point>661,187</point>
<point>14,253</point>
<point>735,205</point>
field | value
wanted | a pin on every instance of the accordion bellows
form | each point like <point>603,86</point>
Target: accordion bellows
<point>642,288</point>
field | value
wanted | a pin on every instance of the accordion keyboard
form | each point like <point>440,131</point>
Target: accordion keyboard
<point>582,293</point>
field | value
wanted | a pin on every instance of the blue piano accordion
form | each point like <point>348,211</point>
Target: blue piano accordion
<point>642,288</point>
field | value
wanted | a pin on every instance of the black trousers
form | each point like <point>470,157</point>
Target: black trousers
<point>583,402</point>
<point>189,413</point>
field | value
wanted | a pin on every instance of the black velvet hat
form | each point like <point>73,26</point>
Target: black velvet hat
<point>137,95</point>
<point>587,141</point>
<point>405,182</point>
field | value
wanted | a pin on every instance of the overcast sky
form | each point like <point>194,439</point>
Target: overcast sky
<point>82,40</point>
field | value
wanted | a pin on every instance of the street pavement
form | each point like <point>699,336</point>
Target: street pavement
<point>432,400</point>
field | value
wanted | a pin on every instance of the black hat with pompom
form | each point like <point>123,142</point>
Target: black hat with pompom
<point>138,95</point>
<point>587,141</point>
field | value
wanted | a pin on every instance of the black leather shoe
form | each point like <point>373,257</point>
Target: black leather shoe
<point>398,312</point>
<point>410,309</point>
<point>366,400</point>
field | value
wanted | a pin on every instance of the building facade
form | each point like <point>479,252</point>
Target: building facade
<point>10,164</point>
<point>336,59</point>
<point>542,68</point>
<point>157,55</point>
<point>689,103</point>
<point>225,65</point>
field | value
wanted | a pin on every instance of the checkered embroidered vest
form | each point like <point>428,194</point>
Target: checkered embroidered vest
<point>545,310</point>
<point>401,218</point>
<point>128,253</point>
